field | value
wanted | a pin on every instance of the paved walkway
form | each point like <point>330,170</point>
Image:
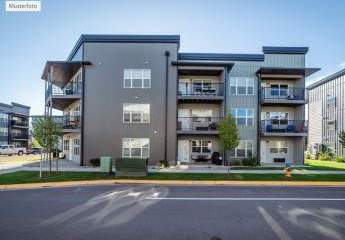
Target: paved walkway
<point>70,166</point>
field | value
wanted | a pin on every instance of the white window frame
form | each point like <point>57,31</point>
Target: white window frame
<point>247,110</point>
<point>130,71</point>
<point>238,82</point>
<point>131,147</point>
<point>246,143</point>
<point>131,113</point>
<point>279,145</point>
<point>66,145</point>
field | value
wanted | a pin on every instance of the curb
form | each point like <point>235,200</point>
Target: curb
<point>169,182</point>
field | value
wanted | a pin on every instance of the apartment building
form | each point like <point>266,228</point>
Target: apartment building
<point>139,96</point>
<point>14,124</point>
<point>326,112</point>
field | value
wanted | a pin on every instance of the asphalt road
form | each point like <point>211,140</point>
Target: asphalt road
<point>161,212</point>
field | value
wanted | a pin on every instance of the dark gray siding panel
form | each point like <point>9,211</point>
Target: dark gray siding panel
<point>105,95</point>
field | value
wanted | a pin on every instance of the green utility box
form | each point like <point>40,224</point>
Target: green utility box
<point>106,164</point>
<point>131,167</point>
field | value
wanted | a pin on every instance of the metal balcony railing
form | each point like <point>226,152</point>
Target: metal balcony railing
<point>68,122</point>
<point>19,123</point>
<point>198,123</point>
<point>70,89</point>
<point>19,136</point>
<point>201,89</point>
<point>283,93</point>
<point>284,126</point>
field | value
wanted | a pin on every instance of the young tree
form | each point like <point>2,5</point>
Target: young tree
<point>47,133</point>
<point>228,133</point>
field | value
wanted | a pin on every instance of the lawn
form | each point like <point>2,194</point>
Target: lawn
<point>32,177</point>
<point>19,159</point>
<point>324,165</point>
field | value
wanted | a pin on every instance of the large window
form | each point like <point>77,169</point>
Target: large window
<point>4,118</point>
<point>135,147</point>
<point>3,131</point>
<point>137,78</point>
<point>201,146</point>
<point>136,113</point>
<point>66,145</point>
<point>243,150</point>
<point>76,146</point>
<point>242,86</point>
<point>243,116</point>
<point>278,147</point>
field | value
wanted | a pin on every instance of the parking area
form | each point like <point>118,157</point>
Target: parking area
<point>7,162</point>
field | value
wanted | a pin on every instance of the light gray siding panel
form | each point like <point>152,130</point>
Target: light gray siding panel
<point>285,60</point>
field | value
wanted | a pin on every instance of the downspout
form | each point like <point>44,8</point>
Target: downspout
<point>167,54</point>
<point>226,73</point>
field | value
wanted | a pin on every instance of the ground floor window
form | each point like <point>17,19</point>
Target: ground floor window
<point>201,146</point>
<point>243,150</point>
<point>76,146</point>
<point>66,145</point>
<point>278,147</point>
<point>135,147</point>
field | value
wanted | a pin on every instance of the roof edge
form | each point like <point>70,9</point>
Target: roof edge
<point>326,79</point>
<point>221,57</point>
<point>119,38</point>
<point>284,50</point>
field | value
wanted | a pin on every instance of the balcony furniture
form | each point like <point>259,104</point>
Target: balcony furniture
<point>269,128</point>
<point>290,128</point>
<point>213,126</point>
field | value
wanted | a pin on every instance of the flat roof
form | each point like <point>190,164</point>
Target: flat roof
<point>119,38</point>
<point>284,50</point>
<point>326,79</point>
<point>221,57</point>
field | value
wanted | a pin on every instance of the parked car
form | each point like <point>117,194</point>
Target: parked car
<point>11,150</point>
<point>34,151</point>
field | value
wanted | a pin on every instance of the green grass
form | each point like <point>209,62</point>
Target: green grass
<point>324,165</point>
<point>32,177</point>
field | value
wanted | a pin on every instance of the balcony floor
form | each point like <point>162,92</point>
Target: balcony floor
<point>60,102</point>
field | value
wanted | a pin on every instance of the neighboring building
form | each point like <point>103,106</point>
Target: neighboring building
<point>326,112</point>
<point>14,124</point>
<point>138,96</point>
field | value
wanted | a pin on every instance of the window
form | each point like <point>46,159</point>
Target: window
<point>243,116</point>
<point>278,147</point>
<point>136,113</point>
<point>243,150</point>
<point>4,118</point>
<point>3,131</point>
<point>135,147</point>
<point>331,101</point>
<point>201,146</point>
<point>66,145</point>
<point>278,118</point>
<point>76,146</point>
<point>242,86</point>
<point>137,78</point>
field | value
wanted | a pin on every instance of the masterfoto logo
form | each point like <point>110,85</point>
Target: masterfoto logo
<point>23,6</point>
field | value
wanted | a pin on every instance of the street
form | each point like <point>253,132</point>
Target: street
<point>173,212</point>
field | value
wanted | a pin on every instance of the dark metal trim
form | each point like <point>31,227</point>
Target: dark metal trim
<point>327,79</point>
<point>284,50</point>
<point>221,57</point>
<point>82,112</point>
<point>167,54</point>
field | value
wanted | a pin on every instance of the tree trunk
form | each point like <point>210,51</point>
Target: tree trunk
<point>50,162</point>
<point>57,158</point>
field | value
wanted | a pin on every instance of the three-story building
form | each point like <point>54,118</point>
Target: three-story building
<point>138,96</point>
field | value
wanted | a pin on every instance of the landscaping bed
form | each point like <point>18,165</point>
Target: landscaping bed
<point>32,177</point>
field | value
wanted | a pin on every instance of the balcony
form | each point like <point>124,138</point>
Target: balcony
<point>200,92</point>
<point>198,125</point>
<point>61,98</point>
<point>69,123</point>
<point>293,128</point>
<point>282,96</point>
<point>19,124</point>
<point>20,136</point>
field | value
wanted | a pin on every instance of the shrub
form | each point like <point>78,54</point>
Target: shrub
<point>325,157</point>
<point>250,161</point>
<point>164,163</point>
<point>96,162</point>
<point>340,159</point>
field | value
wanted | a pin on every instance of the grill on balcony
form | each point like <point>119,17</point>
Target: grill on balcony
<point>71,88</point>
<point>198,124</point>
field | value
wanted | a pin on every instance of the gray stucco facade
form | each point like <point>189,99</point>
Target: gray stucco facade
<point>189,93</point>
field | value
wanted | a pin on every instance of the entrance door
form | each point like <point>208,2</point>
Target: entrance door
<point>76,149</point>
<point>184,118</point>
<point>183,151</point>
